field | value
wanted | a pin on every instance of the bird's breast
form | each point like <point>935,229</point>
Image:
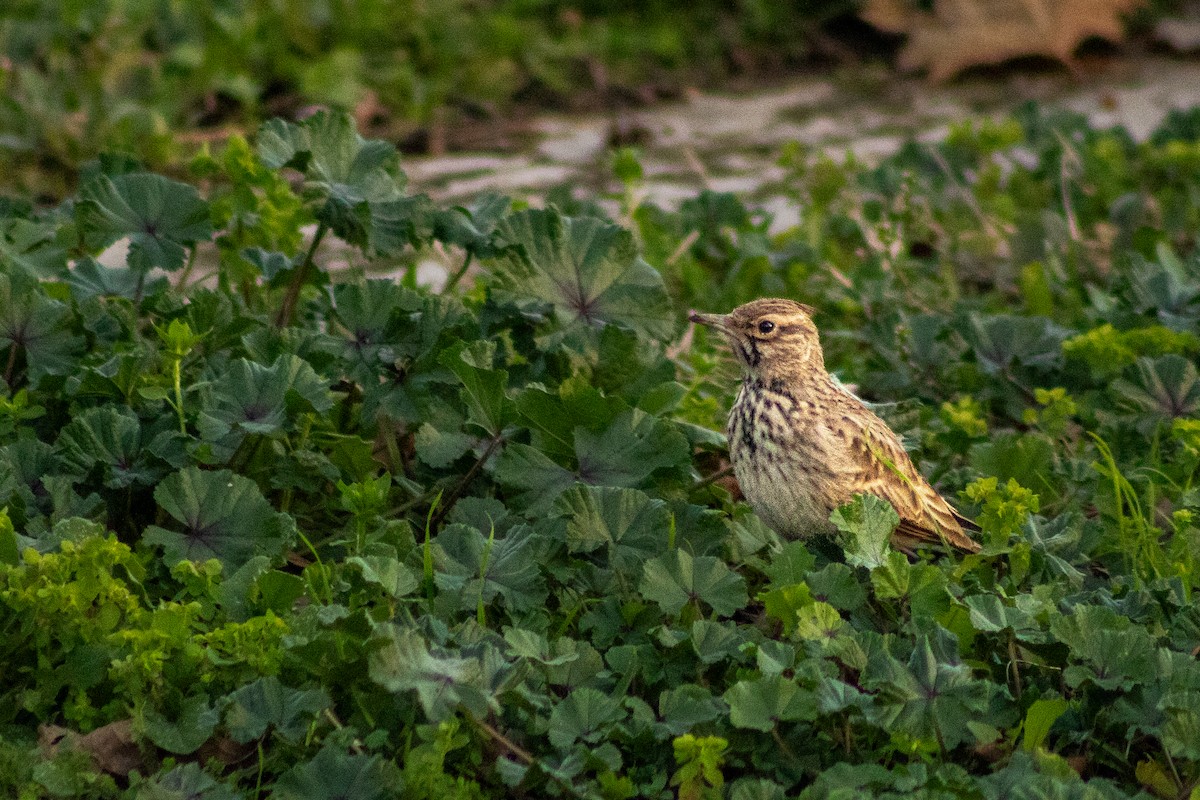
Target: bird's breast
<point>779,464</point>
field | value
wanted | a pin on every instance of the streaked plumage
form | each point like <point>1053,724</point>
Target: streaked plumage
<point>801,445</point>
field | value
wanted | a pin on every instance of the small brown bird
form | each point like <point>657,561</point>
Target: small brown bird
<point>802,445</point>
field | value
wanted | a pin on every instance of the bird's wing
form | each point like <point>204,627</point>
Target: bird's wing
<point>884,469</point>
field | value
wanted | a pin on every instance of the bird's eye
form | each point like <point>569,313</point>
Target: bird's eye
<point>766,326</point>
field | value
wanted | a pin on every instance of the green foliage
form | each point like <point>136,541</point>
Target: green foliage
<point>128,76</point>
<point>309,535</point>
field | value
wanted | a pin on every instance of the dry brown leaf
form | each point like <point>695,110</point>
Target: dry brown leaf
<point>111,746</point>
<point>964,33</point>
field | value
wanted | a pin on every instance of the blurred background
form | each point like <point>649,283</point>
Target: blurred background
<point>156,79</point>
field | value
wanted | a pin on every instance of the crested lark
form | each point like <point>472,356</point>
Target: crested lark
<point>801,445</point>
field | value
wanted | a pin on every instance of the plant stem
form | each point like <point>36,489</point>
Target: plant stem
<point>458,274</point>
<point>287,309</point>
<point>12,365</point>
<point>176,374</point>
<point>448,501</point>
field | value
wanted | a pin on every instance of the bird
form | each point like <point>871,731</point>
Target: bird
<point>802,444</point>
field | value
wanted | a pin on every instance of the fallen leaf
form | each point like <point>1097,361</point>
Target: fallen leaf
<point>111,746</point>
<point>958,34</point>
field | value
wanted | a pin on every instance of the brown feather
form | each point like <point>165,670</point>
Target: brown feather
<point>802,445</point>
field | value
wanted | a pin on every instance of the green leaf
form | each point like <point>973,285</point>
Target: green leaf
<point>930,700</point>
<point>1026,458</point>
<point>530,469</point>
<point>471,227</point>
<point>629,450</point>
<point>89,278</point>
<point>585,715</point>
<point>267,703</point>
<point>394,577</point>
<point>439,449</point>
<point>1040,717</point>
<point>356,183</point>
<point>252,398</point>
<point>866,524</point>
<point>675,579</point>
<point>186,782</point>
<point>715,641</point>
<point>836,584</point>
<point>1160,390</point>
<point>1001,341</point>
<point>891,579</point>
<point>818,621</point>
<point>1110,650</point>
<point>756,789</point>
<point>587,269</point>
<point>192,727</point>
<point>629,525</point>
<point>269,263</point>
<point>404,661</point>
<point>221,515</point>
<point>39,328</point>
<point>112,439</point>
<point>762,703</point>
<point>476,566</point>
<point>8,540</point>
<point>160,217</point>
<point>791,564</point>
<point>334,774</point>
<point>684,707</point>
<point>483,392</point>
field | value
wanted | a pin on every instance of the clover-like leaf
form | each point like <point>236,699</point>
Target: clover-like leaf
<point>269,262</point>
<point>252,398</point>
<point>1107,648</point>
<point>373,318</point>
<point>762,703</point>
<point>930,699</point>
<point>471,227</point>
<point>355,183</point>
<point>684,707</point>
<point>404,661</point>
<point>586,715</point>
<point>1001,341</point>
<point>1160,390</point>
<point>112,439</point>
<point>587,269</point>
<point>90,278</point>
<point>626,452</point>
<point>483,392</point>
<point>481,567</point>
<point>160,217</point>
<point>541,478</point>
<point>186,782</point>
<point>388,573</point>
<point>677,578</point>
<point>630,525</point>
<point>221,515</point>
<point>267,703</point>
<point>38,328</point>
<point>866,524</point>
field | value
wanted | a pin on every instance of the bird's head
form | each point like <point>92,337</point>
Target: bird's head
<point>771,337</point>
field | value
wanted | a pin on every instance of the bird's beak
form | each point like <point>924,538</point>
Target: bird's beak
<point>718,321</point>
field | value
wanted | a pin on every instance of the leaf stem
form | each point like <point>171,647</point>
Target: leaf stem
<point>458,274</point>
<point>287,309</point>
<point>176,375</point>
<point>12,365</point>
<point>186,275</point>
<point>461,486</point>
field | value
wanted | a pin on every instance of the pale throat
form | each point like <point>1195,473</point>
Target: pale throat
<point>792,365</point>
